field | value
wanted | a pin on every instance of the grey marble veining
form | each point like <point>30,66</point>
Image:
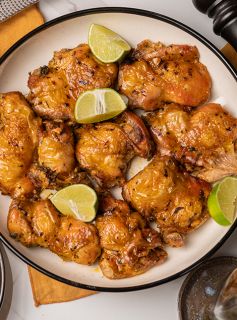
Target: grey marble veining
<point>54,8</point>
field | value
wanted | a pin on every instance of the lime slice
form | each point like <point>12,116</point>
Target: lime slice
<point>222,201</point>
<point>107,45</point>
<point>98,105</point>
<point>78,201</point>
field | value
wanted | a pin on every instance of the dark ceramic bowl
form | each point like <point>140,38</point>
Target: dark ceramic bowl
<point>201,288</point>
<point>5,284</point>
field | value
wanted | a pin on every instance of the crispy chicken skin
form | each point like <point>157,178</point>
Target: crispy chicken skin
<point>56,148</point>
<point>105,149</point>
<point>55,88</point>
<point>137,133</point>
<point>204,139</point>
<point>55,165</point>
<point>129,246</point>
<point>174,199</point>
<point>19,130</point>
<point>38,223</point>
<point>155,73</point>
<point>34,156</point>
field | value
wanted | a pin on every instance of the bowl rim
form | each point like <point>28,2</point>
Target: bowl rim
<point>2,278</point>
<point>186,285</point>
<point>155,16</point>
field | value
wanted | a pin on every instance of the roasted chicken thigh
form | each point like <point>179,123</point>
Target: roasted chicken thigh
<point>175,200</point>
<point>38,223</point>
<point>105,149</point>
<point>19,132</point>
<point>55,88</point>
<point>34,155</point>
<point>55,163</point>
<point>204,139</point>
<point>155,73</point>
<point>129,246</point>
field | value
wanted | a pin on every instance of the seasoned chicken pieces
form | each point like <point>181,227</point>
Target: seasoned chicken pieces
<point>38,223</point>
<point>104,152</point>
<point>156,73</point>
<point>195,144</point>
<point>204,139</point>
<point>171,197</point>
<point>56,148</point>
<point>55,164</point>
<point>33,156</point>
<point>55,88</point>
<point>105,149</point>
<point>130,247</point>
<point>19,130</point>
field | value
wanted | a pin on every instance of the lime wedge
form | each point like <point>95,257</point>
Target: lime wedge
<point>78,201</point>
<point>222,201</point>
<point>107,45</point>
<point>98,105</point>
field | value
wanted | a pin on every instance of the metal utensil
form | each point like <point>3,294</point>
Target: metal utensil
<point>9,8</point>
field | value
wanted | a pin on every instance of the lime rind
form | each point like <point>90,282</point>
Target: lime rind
<point>215,209</point>
<point>222,201</point>
<point>106,45</point>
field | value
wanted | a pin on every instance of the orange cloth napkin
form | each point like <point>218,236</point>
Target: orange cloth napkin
<point>46,290</point>
<point>19,25</point>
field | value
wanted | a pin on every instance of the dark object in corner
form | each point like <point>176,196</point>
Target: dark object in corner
<point>200,290</point>
<point>224,14</point>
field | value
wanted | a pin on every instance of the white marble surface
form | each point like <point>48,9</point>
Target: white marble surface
<point>182,10</point>
<point>159,302</point>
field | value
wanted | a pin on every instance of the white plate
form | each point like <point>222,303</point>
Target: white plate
<point>35,50</point>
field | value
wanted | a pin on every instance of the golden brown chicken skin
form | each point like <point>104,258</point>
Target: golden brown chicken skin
<point>55,165</point>
<point>34,155</point>
<point>155,73</point>
<point>204,139</point>
<point>105,149</point>
<point>40,224</point>
<point>174,199</point>
<point>56,148</point>
<point>19,129</point>
<point>55,88</point>
<point>129,246</point>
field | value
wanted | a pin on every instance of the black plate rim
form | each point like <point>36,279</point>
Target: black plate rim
<point>179,25</point>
